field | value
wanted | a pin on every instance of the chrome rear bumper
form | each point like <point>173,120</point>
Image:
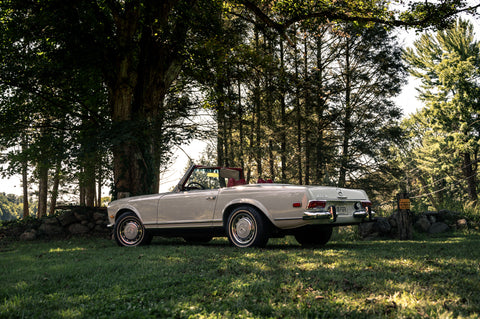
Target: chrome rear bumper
<point>316,215</point>
<point>332,214</point>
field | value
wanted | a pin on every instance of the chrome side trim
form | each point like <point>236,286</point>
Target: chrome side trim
<point>179,222</point>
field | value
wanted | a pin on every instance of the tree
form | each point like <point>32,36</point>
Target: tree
<point>448,63</point>
<point>370,73</point>
<point>395,13</point>
<point>10,207</point>
<point>139,47</point>
<point>46,93</point>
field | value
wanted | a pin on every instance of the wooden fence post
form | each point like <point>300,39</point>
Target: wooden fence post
<point>404,221</point>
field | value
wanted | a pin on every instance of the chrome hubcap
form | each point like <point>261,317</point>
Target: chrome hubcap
<point>243,228</point>
<point>131,231</point>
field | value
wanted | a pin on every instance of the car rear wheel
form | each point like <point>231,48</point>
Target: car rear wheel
<point>246,227</point>
<point>129,231</point>
<point>314,235</point>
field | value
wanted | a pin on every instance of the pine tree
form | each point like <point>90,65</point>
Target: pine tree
<point>448,64</point>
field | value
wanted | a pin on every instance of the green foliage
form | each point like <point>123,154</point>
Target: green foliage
<point>11,207</point>
<point>300,114</point>
<point>91,87</point>
<point>280,15</point>
<point>434,277</point>
<point>53,102</point>
<point>439,157</point>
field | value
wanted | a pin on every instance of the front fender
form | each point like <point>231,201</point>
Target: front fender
<point>115,212</point>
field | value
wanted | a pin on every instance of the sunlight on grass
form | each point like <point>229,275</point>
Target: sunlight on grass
<point>64,250</point>
<point>431,277</point>
<point>308,266</point>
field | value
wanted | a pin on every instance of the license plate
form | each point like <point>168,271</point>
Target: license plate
<point>341,209</point>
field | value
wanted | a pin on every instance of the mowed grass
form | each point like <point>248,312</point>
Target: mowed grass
<point>93,278</point>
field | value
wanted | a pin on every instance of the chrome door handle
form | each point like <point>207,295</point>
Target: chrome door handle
<point>211,197</point>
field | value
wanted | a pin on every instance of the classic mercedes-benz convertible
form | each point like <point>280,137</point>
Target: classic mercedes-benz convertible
<point>215,201</point>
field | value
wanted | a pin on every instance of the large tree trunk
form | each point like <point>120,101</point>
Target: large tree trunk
<point>145,68</point>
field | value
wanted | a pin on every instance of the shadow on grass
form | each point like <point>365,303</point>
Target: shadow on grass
<point>171,278</point>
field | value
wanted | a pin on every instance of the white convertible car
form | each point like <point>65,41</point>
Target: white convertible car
<point>215,201</point>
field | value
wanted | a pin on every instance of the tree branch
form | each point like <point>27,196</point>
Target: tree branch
<point>432,17</point>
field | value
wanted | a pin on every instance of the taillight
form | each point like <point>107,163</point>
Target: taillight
<point>317,204</point>
<point>366,203</point>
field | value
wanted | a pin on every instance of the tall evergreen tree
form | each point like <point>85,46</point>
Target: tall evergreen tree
<point>448,64</point>
<point>370,73</point>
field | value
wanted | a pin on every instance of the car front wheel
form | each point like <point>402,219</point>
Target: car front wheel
<point>129,231</point>
<point>246,227</point>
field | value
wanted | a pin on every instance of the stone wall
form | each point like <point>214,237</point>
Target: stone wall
<point>67,222</point>
<point>426,222</point>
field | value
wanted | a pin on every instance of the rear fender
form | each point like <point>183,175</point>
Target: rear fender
<point>250,202</point>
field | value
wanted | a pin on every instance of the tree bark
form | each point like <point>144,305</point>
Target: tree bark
<point>319,160</point>
<point>258,118</point>
<point>347,125</point>
<point>54,193</point>
<point>26,211</point>
<point>308,112</point>
<point>298,111</point>
<point>81,195</point>
<point>283,125</point>
<point>240,125</point>
<point>221,134</point>
<point>469,175</point>
<point>42,189</point>
<point>404,222</point>
<point>145,68</point>
<point>99,184</point>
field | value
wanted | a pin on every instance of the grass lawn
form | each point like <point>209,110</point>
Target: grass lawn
<point>93,278</point>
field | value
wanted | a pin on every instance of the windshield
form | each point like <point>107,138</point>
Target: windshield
<point>205,178</point>
<point>210,178</point>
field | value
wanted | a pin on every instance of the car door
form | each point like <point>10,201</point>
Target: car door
<point>192,208</point>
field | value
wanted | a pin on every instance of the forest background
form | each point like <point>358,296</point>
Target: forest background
<point>100,94</point>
